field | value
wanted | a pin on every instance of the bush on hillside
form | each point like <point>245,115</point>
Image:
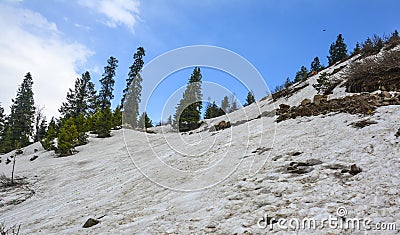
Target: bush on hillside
<point>371,74</point>
<point>68,138</point>
<point>323,83</point>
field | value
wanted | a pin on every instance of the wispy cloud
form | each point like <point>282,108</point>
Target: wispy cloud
<point>79,26</point>
<point>117,12</point>
<point>31,43</point>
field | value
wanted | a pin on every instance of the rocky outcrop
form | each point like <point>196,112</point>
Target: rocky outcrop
<point>318,99</point>
<point>305,102</point>
<point>220,126</point>
<point>364,104</point>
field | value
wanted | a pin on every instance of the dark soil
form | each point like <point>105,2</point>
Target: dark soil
<point>356,104</point>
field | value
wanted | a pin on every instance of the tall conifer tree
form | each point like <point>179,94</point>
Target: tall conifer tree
<point>22,114</point>
<point>132,93</point>
<point>104,119</point>
<point>337,50</point>
<point>188,111</point>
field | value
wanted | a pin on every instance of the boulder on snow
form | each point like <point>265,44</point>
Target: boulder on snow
<point>386,94</point>
<point>33,158</point>
<point>354,169</point>
<point>305,102</point>
<point>222,125</point>
<point>91,222</point>
<point>284,106</point>
<point>318,99</point>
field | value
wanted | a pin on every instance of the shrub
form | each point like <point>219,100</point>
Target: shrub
<point>382,73</point>
<point>68,138</point>
<point>323,83</point>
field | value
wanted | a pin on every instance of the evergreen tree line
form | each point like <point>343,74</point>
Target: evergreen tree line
<point>85,110</point>
<point>188,111</point>
<point>228,105</point>
<point>338,52</point>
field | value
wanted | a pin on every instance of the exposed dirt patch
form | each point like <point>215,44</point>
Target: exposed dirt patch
<point>356,104</point>
<point>363,123</point>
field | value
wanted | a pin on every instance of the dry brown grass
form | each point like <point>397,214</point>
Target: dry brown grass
<point>376,73</point>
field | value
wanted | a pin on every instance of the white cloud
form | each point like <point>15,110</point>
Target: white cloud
<point>30,43</point>
<point>117,12</point>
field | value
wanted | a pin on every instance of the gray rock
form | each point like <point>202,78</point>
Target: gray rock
<point>90,222</point>
<point>305,102</point>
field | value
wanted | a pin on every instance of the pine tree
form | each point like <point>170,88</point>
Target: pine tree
<point>22,113</point>
<point>316,65</point>
<point>68,138</point>
<point>188,111</point>
<point>67,108</point>
<point>144,121</point>
<point>90,96</point>
<point>337,50</point>
<point>213,111</point>
<point>147,121</point>
<point>394,40</point>
<point>323,83</point>
<point>169,120</point>
<point>132,93</point>
<point>357,49</point>
<point>117,118</point>
<point>2,120</point>
<point>250,98</point>
<point>225,104</point>
<point>48,141</point>
<point>90,123</point>
<point>367,47</point>
<point>53,124</point>
<point>81,100</point>
<point>209,111</point>
<point>6,144</point>
<point>134,70</point>
<point>81,127</point>
<point>41,132</point>
<point>107,84</point>
<point>104,118</point>
<point>301,75</point>
<point>40,120</point>
<point>2,128</point>
<point>103,122</point>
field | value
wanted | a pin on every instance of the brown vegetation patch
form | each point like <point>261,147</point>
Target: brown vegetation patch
<point>287,92</point>
<point>381,73</point>
<point>356,104</point>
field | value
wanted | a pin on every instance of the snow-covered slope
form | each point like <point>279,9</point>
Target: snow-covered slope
<point>217,182</point>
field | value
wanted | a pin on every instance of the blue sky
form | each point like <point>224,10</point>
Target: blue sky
<point>57,40</point>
